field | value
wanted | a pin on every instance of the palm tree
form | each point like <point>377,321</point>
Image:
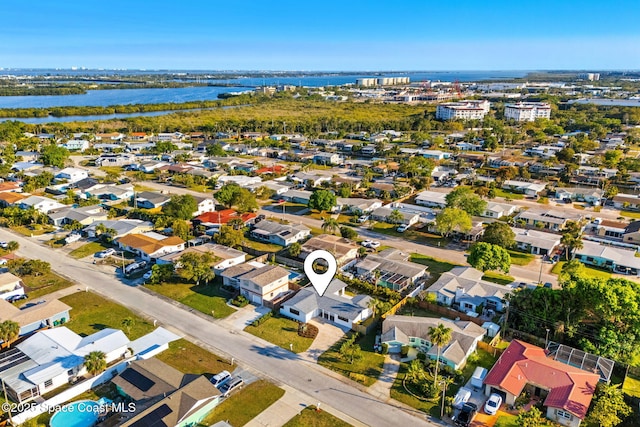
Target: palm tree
<point>373,304</point>
<point>13,246</point>
<point>9,331</point>
<point>439,336</point>
<point>415,371</point>
<point>127,323</point>
<point>95,362</point>
<point>330,225</point>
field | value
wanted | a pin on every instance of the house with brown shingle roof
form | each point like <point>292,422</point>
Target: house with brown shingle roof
<point>11,198</point>
<point>566,390</point>
<point>150,245</point>
<point>45,314</point>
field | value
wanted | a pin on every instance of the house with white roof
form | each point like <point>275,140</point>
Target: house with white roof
<point>10,286</point>
<point>72,174</point>
<point>398,331</point>
<point>39,203</point>
<point>431,199</point>
<point>498,210</point>
<point>280,234</point>
<point>528,188</point>
<point>75,144</point>
<point>241,180</point>
<point>612,258</point>
<point>535,241</point>
<point>464,289</point>
<point>223,256</point>
<point>334,306</point>
<point>356,205</point>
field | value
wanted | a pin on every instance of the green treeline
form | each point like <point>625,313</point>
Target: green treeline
<point>41,90</point>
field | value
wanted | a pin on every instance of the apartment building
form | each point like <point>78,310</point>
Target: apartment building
<point>527,111</point>
<point>462,110</point>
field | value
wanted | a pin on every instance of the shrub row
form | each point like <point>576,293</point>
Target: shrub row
<point>260,320</point>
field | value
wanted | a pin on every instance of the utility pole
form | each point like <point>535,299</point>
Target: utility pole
<point>4,390</point>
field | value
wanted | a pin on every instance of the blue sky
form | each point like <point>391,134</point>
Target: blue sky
<point>321,35</point>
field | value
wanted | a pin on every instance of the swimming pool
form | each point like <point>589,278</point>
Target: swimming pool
<point>83,413</point>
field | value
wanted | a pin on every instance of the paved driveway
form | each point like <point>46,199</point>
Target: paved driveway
<point>244,316</point>
<point>328,334</point>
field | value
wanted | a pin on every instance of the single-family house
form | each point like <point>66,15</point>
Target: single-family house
<point>150,245</point>
<point>398,331</point>
<point>324,158</point>
<point>39,203</point>
<point>390,268</point>
<point>344,250</point>
<point>589,195</point>
<point>45,314</point>
<point>535,241</point>
<point>54,357</point>
<point>278,187</point>
<point>464,289</point>
<point>216,219</point>
<point>84,215</point>
<point>119,228</point>
<point>442,173</point>
<point>523,187</point>
<point>9,186</point>
<point>75,144</point>
<point>241,180</point>
<point>618,260</point>
<point>150,200</point>
<point>310,180</point>
<point>357,206</point>
<point>150,166</point>
<point>566,390</point>
<point>257,282</point>
<point>334,306</point>
<point>223,256</point>
<point>631,233</point>
<point>498,210</point>
<point>280,234</point>
<point>204,204</point>
<point>431,199</point>
<point>10,286</point>
<point>297,196</point>
<point>550,219</point>
<point>11,198</point>
<point>434,154</point>
<point>111,193</point>
<point>384,214</point>
<point>609,229</point>
<point>120,159</point>
<point>72,174</point>
<point>626,201</point>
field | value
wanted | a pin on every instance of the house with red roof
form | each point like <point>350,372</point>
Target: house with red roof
<point>565,390</point>
<point>271,169</point>
<point>216,219</point>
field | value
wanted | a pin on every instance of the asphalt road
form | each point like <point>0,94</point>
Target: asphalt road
<point>318,383</point>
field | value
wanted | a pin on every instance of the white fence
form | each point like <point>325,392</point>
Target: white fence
<point>65,396</point>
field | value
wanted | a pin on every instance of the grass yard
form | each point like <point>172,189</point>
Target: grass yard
<point>500,279</point>
<point>342,219</point>
<point>593,272</point>
<point>139,188</point>
<point>436,266</point>
<point>87,249</point>
<point>281,331</point>
<point>630,214</point>
<point>245,404</point>
<point>508,195</point>
<point>366,370</point>
<point>204,298</point>
<point>480,358</point>
<point>399,393</point>
<point>415,236</point>
<point>290,208</point>
<point>520,258</point>
<point>309,417</point>
<point>188,358</point>
<point>26,231</point>
<point>261,246</point>
<point>631,386</point>
<point>91,313</point>
<point>506,421</point>
<point>37,286</point>
<point>409,310</point>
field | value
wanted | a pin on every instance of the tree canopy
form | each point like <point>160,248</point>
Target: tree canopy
<point>52,155</point>
<point>452,219</point>
<point>322,200</point>
<point>464,198</point>
<point>486,256</point>
<point>195,266</point>
<point>181,207</point>
<point>499,233</point>
<point>230,237</point>
<point>232,195</point>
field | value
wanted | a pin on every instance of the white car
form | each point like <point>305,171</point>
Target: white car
<point>147,275</point>
<point>370,244</point>
<point>363,218</point>
<point>4,245</point>
<point>106,253</point>
<point>221,378</point>
<point>402,228</point>
<point>493,404</point>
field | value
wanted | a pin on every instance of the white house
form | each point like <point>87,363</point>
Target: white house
<point>150,245</point>
<point>72,174</point>
<point>528,188</point>
<point>75,144</point>
<point>280,234</point>
<point>223,256</point>
<point>39,203</point>
<point>498,210</point>
<point>334,306</point>
<point>10,286</point>
<point>431,199</point>
<point>259,283</point>
<point>535,241</point>
<point>205,204</point>
<point>242,180</point>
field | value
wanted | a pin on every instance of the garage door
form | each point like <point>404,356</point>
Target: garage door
<point>256,299</point>
<point>395,348</point>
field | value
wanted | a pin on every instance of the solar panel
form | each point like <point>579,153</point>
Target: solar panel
<point>154,418</point>
<point>137,379</point>
<point>12,358</point>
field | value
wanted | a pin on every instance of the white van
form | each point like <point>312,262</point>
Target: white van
<point>477,378</point>
<point>462,396</point>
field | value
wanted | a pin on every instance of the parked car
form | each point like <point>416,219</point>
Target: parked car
<point>221,378</point>
<point>147,275</point>
<point>73,237</point>
<point>4,245</point>
<point>492,404</point>
<point>466,415</point>
<point>402,228</point>
<point>106,253</point>
<point>17,298</point>
<point>462,396</point>
<point>134,267</point>
<point>230,386</point>
<point>363,218</point>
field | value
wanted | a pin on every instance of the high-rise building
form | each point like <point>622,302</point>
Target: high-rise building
<point>463,110</point>
<point>527,111</point>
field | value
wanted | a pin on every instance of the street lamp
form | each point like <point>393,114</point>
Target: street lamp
<point>546,339</point>
<point>540,275</point>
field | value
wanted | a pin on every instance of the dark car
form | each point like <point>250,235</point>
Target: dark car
<point>466,415</point>
<point>17,298</point>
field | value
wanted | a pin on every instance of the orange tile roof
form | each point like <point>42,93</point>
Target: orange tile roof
<point>570,388</point>
<point>148,244</point>
<point>8,186</point>
<point>224,216</point>
<point>11,198</point>
<point>271,169</point>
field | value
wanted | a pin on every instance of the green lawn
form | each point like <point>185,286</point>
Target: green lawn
<point>506,421</point>
<point>592,272</point>
<point>520,258</point>
<point>508,195</point>
<point>416,236</point>
<point>366,370</point>
<point>261,246</point>
<point>500,279</point>
<point>436,266</point>
<point>399,393</point>
<point>91,313</point>
<point>87,249</point>
<point>310,417</point>
<point>37,286</point>
<point>245,404</point>
<point>479,358</point>
<point>188,358</point>
<point>630,214</point>
<point>26,231</point>
<point>204,298</point>
<point>282,332</point>
<point>409,310</point>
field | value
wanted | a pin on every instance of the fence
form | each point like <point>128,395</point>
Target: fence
<point>495,351</point>
<point>70,393</point>
<point>365,327</point>
<point>450,313</point>
<point>393,310</point>
<point>289,262</point>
